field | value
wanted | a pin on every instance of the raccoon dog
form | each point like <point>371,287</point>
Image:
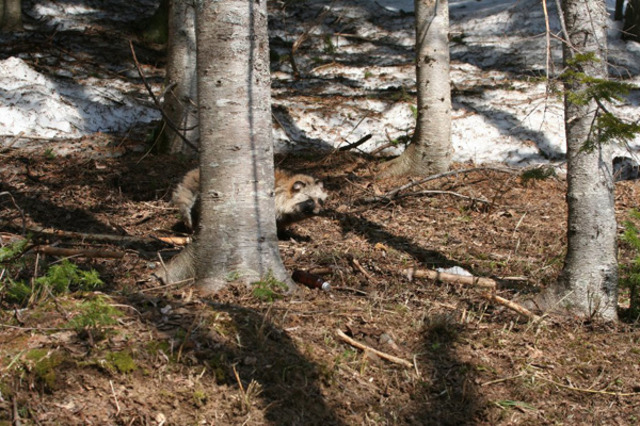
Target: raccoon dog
<point>296,196</point>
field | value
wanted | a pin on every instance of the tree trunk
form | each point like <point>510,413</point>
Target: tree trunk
<point>181,102</point>
<point>631,27</point>
<point>589,284</point>
<point>619,10</point>
<point>155,29</point>
<point>10,15</point>
<point>430,148</point>
<point>236,239</point>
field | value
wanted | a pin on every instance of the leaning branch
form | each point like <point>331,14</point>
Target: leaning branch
<point>157,102</point>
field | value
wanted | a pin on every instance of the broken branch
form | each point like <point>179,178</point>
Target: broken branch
<point>450,278</point>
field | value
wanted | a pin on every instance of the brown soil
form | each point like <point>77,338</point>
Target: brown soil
<point>233,359</point>
<point>177,357</point>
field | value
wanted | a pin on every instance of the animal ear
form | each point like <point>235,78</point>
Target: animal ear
<point>298,185</point>
<point>319,183</point>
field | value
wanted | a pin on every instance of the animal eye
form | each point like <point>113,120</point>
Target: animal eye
<point>298,185</point>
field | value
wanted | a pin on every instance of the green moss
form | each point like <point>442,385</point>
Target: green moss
<point>122,362</point>
<point>44,363</point>
<point>199,398</point>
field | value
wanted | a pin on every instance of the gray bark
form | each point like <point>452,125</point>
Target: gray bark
<point>236,238</point>
<point>430,148</point>
<point>589,283</point>
<point>180,104</point>
<point>10,15</point>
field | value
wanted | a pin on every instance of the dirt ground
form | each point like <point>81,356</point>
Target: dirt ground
<point>177,357</point>
<point>234,359</point>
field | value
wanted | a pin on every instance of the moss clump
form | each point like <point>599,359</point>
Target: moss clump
<point>44,364</point>
<point>269,288</point>
<point>122,361</point>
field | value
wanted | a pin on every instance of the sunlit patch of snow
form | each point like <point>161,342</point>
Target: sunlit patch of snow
<point>39,107</point>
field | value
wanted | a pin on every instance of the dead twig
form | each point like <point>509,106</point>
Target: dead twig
<point>115,398</point>
<point>121,239</point>
<point>157,102</point>
<point>601,392</point>
<point>390,195</point>
<point>13,200</point>
<point>365,348</point>
<point>355,144</point>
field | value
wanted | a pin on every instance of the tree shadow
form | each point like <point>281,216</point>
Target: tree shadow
<point>242,344</point>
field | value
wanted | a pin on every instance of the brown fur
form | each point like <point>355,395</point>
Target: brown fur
<point>296,196</point>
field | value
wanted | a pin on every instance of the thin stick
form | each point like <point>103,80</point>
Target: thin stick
<point>364,347</point>
<point>157,102</point>
<point>123,239</point>
<point>115,398</point>
<point>589,390</point>
<point>392,194</point>
<point>68,252</point>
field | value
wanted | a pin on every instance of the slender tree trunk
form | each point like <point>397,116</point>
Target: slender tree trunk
<point>589,283</point>
<point>10,15</point>
<point>236,238</point>
<point>631,27</point>
<point>430,148</point>
<point>181,101</point>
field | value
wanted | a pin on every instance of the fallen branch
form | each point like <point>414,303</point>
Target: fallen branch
<point>121,239</point>
<point>472,281</point>
<point>449,278</point>
<point>511,305</point>
<point>390,195</point>
<point>69,252</point>
<point>365,348</point>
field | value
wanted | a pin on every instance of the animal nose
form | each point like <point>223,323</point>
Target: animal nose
<point>310,206</point>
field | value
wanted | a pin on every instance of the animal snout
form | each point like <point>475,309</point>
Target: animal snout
<point>311,206</point>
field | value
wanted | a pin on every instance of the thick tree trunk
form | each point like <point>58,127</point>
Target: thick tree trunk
<point>631,27</point>
<point>180,104</point>
<point>430,148</point>
<point>10,15</point>
<point>589,284</point>
<point>236,239</point>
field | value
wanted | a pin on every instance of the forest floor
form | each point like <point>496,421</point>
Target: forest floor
<point>177,357</point>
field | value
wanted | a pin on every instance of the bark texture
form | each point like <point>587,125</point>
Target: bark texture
<point>10,15</point>
<point>430,148</point>
<point>181,101</point>
<point>236,238</point>
<point>590,276</point>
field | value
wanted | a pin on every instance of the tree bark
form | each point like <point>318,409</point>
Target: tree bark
<point>589,284</point>
<point>181,101</point>
<point>10,15</point>
<point>430,148</point>
<point>236,238</point>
